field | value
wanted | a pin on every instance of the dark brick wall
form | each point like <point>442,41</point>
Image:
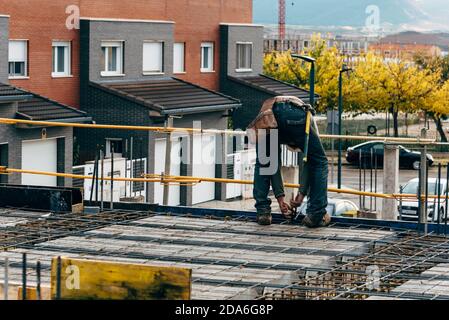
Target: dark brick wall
<point>104,108</point>
<point>108,109</point>
<point>250,98</point>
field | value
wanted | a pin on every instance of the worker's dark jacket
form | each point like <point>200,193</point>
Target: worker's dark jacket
<point>288,116</point>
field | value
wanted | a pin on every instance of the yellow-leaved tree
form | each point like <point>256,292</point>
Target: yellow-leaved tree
<point>437,106</point>
<point>375,85</point>
<point>282,66</point>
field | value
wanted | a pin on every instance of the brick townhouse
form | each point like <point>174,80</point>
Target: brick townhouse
<point>44,148</point>
<point>139,63</point>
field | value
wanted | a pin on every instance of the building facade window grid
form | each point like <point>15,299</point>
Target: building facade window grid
<point>244,56</point>
<point>153,57</point>
<point>179,49</point>
<point>18,58</point>
<point>61,58</point>
<point>207,57</point>
<point>112,52</point>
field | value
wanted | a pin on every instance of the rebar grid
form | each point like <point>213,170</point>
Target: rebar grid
<point>395,262</point>
<point>287,232</point>
<point>40,229</point>
<point>400,256</point>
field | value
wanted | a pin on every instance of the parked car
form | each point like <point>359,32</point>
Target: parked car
<point>407,159</point>
<point>408,210</point>
<point>335,207</point>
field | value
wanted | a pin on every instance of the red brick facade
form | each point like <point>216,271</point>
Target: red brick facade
<point>44,21</point>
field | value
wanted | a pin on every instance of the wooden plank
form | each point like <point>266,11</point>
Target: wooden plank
<point>32,293</point>
<point>101,280</point>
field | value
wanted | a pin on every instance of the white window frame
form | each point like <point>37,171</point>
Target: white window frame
<point>108,148</point>
<point>68,58</point>
<point>120,58</point>
<point>25,75</point>
<point>183,58</point>
<point>160,71</point>
<point>250,69</point>
<point>211,47</point>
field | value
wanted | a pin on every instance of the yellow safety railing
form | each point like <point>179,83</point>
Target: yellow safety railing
<point>7,121</point>
<point>188,180</point>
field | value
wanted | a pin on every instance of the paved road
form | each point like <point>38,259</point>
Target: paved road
<point>351,179</point>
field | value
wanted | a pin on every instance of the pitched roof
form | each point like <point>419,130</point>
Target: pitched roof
<point>35,107</point>
<point>9,93</point>
<point>170,96</point>
<point>39,108</point>
<point>274,87</point>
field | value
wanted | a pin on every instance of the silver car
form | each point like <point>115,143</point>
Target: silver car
<point>408,210</point>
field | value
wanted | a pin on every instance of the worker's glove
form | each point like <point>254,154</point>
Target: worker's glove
<point>283,206</point>
<point>297,202</point>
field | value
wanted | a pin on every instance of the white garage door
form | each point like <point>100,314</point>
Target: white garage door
<point>39,155</point>
<point>204,166</point>
<point>175,170</point>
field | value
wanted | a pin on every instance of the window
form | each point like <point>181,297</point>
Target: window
<point>61,59</point>
<point>179,57</point>
<point>244,56</point>
<point>112,58</point>
<point>117,144</point>
<point>207,57</point>
<point>18,54</point>
<point>153,57</point>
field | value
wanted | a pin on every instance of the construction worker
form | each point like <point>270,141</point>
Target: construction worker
<point>286,117</point>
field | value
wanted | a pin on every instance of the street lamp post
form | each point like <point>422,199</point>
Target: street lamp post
<point>312,61</point>
<point>312,97</point>
<point>312,103</point>
<point>345,69</point>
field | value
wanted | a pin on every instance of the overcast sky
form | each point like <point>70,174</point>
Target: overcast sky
<point>420,13</point>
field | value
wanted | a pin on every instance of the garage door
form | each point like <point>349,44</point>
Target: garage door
<point>175,170</point>
<point>39,155</point>
<point>204,166</point>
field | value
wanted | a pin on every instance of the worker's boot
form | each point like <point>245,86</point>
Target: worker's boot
<point>264,219</point>
<point>311,221</point>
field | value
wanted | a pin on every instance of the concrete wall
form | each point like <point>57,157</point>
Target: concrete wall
<point>4,43</point>
<point>133,34</point>
<point>232,34</point>
<point>14,136</point>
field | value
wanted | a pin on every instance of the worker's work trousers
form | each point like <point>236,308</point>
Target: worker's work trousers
<point>291,122</point>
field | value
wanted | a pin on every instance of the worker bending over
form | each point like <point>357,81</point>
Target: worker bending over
<point>288,115</point>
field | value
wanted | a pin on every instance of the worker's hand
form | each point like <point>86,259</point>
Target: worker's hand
<point>283,206</point>
<point>297,202</point>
